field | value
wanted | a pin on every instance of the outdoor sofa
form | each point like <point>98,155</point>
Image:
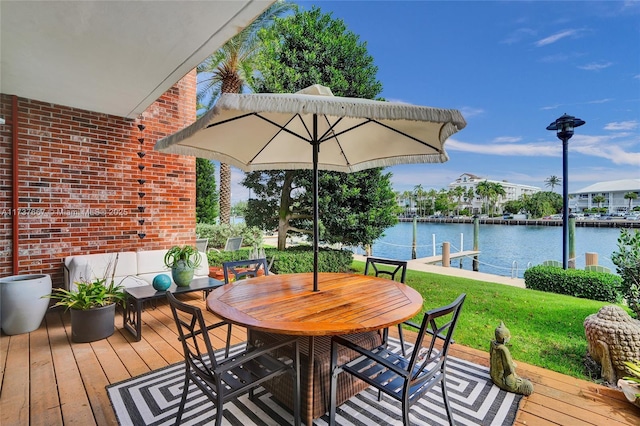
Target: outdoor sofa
<point>133,268</point>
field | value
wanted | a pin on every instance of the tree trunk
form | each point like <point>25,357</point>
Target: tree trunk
<point>283,212</point>
<point>225,194</point>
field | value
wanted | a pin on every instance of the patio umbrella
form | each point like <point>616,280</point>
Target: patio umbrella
<point>268,131</point>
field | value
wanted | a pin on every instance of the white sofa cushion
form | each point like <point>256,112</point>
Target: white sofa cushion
<point>89,267</point>
<point>133,268</point>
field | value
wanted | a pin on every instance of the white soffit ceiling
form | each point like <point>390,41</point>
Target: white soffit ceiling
<point>114,57</point>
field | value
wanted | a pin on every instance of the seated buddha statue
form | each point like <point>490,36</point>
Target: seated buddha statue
<point>502,367</point>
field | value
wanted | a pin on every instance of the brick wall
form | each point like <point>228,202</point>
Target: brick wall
<point>78,181</point>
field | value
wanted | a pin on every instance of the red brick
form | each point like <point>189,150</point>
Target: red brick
<point>78,173</point>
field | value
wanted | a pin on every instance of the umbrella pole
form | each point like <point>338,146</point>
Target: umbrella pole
<point>316,232</point>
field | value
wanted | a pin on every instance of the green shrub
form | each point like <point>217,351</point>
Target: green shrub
<point>217,258</point>
<point>291,261</point>
<point>300,259</point>
<point>627,261</point>
<point>218,234</point>
<point>574,282</point>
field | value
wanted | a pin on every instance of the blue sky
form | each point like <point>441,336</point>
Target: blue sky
<point>511,68</point>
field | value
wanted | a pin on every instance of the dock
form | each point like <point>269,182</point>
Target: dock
<point>438,259</point>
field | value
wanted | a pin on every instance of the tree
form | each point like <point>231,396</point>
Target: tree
<point>418,194</point>
<point>483,189</point>
<point>630,196</point>
<point>513,206</point>
<point>552,181</point>
<point>496,192</point>
<point>599,199</point>
<point>458,192</point>
<point>543,203</point>
<point>290,60</point>
<point>230,70</point>
<point>206,194</point>
<point>469,195</point>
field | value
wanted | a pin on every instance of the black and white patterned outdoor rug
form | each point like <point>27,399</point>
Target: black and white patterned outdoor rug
<point>153,399</point>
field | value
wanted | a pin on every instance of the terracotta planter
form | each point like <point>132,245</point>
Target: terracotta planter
<point>216,273</point>
<point>92,324</point>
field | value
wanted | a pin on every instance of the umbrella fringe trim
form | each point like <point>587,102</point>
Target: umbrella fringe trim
<point>337,106</point>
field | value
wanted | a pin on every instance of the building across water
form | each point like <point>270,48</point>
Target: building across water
<point>611,195</point>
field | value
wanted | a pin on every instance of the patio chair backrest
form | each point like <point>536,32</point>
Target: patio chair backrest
<point>192,332</point>
<point>375,263</point>
<point>233,244</point>
<point>239,269</point>
<point>437,324</point>
<point>201,244</point>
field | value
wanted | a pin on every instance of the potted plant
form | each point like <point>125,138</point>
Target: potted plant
<point>183,260</point>
<point>93,308</point>
<point>630,385</point>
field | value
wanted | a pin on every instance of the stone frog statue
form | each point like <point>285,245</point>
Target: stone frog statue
<point>503,369</point>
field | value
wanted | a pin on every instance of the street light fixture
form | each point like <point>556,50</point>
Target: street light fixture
<point>564,127</point>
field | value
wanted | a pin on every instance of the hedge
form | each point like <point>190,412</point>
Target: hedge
<point>292,260</point>
<point>592,285</point>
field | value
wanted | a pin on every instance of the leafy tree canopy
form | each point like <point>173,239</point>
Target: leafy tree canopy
<point>206,194</point>
<point>354,208</point>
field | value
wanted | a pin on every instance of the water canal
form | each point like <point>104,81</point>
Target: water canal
<point>502,247</point>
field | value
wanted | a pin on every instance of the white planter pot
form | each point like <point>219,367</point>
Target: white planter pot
<point>22,306</point>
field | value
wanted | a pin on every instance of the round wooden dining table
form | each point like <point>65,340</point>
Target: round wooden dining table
<point>286,304</point>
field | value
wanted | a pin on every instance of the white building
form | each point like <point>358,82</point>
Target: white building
<point>613,192</point>
<point>513,191</point>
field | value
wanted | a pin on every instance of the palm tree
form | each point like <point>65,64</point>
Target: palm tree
<point>630,196</point>
<point>599,199</point>
<point>468,198</point>
<point>418,193</point>
<point>459,193</point>
<point>432,194</point>
<point>230,70</point>
<point>483,189</point>
<point>552,181</point>
<point>495,194</point>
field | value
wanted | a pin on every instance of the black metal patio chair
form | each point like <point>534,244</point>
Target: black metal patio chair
<point>227,378</point>
<point>398,268</point>
<point>405,380</point>
<point>239,269</point>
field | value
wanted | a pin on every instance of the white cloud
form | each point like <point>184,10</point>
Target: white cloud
<point>637,76</point>
<point>607,147</point>
<point>543,149</point>
<point>518,35</point>
<point>470,111</point>
<point>622,125</point>
<point>507,139</point>
<point>594,66</point>
<point>556,37</point>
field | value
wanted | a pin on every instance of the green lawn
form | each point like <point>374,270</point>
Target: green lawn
<point>546,328</point>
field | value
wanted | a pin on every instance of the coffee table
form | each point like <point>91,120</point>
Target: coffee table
<point>136,296</point>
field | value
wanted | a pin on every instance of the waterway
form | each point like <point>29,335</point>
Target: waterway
<point>505,250</point>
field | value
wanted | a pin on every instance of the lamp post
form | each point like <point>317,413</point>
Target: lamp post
<point>564,127</point>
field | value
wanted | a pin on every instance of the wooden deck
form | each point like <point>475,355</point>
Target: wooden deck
<point>46,380</point>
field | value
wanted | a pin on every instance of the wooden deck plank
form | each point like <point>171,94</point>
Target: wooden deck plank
<point>4,349</point>
<point>14,404</point>
<point>94,380</point>
<point>130,359</point>
<point>112,366</point>
<point>45,405</point>
<point>83,370</point>
<point>74,401</point>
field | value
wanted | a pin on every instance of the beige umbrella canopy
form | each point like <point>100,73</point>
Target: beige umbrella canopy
<point>267,131</point>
